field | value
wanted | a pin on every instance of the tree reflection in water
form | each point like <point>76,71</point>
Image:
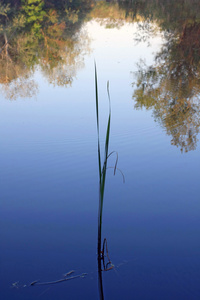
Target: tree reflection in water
<point>49,37</point>
<point>171,87</point>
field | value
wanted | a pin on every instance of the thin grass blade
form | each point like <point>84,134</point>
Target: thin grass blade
<point>97,117</point>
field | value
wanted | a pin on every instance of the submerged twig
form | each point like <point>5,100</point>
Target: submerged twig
<point>68,273</point>
<point>34,282</point>
<point>15,285</point>
<point>57,281</point>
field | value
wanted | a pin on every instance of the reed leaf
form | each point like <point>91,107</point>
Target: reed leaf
<point>97,117</point>
<point>102,171</point>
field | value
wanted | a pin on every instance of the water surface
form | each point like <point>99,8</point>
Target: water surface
<point>149,52</point>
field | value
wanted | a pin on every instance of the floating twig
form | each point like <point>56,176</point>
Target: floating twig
<point>68,273</point>
<point>36,282</point>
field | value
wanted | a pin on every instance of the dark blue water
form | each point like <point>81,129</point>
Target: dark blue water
<point>49,188</point>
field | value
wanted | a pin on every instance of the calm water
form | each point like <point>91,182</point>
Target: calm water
<point>48,156</point>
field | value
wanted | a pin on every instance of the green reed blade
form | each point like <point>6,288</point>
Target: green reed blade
<point>102,166</point>
<point>97,117</point>
<point>105,156</point>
